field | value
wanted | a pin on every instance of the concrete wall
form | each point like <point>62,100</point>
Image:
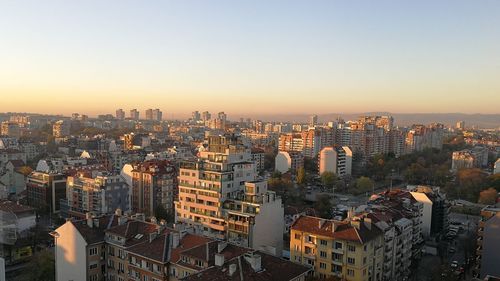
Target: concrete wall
<point>282,162</point>
<point>71,254</point>
<point>268,227</point>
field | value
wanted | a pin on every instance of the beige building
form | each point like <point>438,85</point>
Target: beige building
<point>60,129</point>
<point>349,250</point>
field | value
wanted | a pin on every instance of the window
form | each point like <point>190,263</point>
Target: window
<point>351,260</point>
<point>350,272</point>
<point>351,248</point>
<point>338,245</point>
<point>93,266</point>
<point>93,251</point>
<point>365,248</point>
<point>93,277</point>
<point>364,260</point>
<point>322,254</point>
<point>323,242</point>
<point>336,268</point>
<point>199,263</point>
<point>322,265</point>
<point>297,236</point>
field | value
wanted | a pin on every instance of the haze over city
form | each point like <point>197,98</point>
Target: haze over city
<point>277,140</point>
<point>280,57</point>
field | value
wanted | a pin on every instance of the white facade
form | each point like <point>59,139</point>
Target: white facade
<point>427,212</point>
<point>337,160</point>
<point>283,162</point>
<point>496,169</point>
<point>70,254</point>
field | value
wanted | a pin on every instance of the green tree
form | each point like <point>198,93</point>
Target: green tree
<point>364,184</point>
<point>324,206</point>
<point>301,175</point>
<point>328,179</point>
<point>43,267</point>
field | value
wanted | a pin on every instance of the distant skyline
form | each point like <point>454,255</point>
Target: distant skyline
<point>250,58</point>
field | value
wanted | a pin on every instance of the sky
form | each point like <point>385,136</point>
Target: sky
<point>250,57</point>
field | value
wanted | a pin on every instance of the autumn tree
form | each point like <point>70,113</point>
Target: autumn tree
<point>488,196</point>
<point>328,179</point>
<point>301,175</point>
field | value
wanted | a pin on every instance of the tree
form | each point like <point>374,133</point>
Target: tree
<point>364,184</point>
<point>43,267</point>
<point>162,214</point>
<point>301,175</point>
<point>488,196</point>
<point>328,179</point>
<point>324,207</point>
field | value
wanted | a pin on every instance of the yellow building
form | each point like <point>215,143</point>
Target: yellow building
<point>351,250</point>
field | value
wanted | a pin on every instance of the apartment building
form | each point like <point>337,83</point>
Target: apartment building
<point>220,197</point>
<point>350,250</point>
<point>45,190</point>
<point>120,114</point>
<point>476,157</point>
<point>336,159</point>
<point>154,184</point>
<point>11,129</point>
<point>286,161</point>
<point>96,192</point>
<point>61,129</point>
<point>134,114</point>
<point>258,156</point>
<point>488,242</point>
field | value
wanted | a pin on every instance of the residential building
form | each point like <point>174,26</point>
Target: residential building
<point>440,208</point>
<point>149,114</point>
<point>154,185</point>
<point>11,129</point>
<point>61,129</point>
<point>288,161</point>
<point>313,120</point>
<point>96,192</point>
<point>258,156</point>
<point>134,114</point>
<point>496,167</point>
<point>488,242</point>
<point>220,197</point>
<point>350,250</point>
<point>45,190</point>
<point>205,116</point>
<point>157,115</point>
<point>337,160</point>
<point>120,114</point>
<point>477,157</point>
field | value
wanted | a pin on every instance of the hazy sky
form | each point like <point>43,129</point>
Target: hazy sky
<point>249,57</point>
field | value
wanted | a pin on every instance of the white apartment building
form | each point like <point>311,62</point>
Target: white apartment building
<point>337,159</point>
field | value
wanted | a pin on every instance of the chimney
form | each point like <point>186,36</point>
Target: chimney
<point>88,216</point>
<point>154,220</point>
<point>255,261</point>
<point>118,212</point>
<point>122,220</point>
<point>221,246</point>
<point>232,269</point>
<point>152,236</point>
<point>175,240</point>
<point>219,260</point>
<point>207,252</point>
<point>368,223</point>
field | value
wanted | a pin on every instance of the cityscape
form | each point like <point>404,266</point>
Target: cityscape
<point>249,140</point>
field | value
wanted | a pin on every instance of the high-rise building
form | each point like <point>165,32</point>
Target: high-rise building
<point>313,120</point>
<point>148,114</point>
<point>154,185</point>
<point>134,114</point>
<point>220,197</point>
<point>460,125</point>
<point>336,159</point>
<point>157,115</point>
<point>288,161</point>
<point>61,129</point>
<point>205,116</point>
<point>195,116</point>
<point>120,114</point>
<point>349,250</point>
